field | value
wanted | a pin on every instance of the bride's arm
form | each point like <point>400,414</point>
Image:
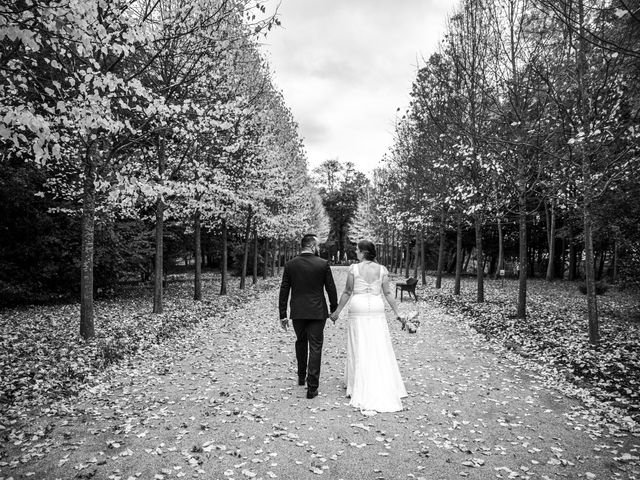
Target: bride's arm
<point>386,290</point>
<point>344,298</point>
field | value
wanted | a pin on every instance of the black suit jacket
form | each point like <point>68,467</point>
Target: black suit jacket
<point>306,277</point>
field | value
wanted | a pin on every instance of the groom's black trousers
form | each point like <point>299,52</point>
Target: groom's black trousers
<point>309,338</point>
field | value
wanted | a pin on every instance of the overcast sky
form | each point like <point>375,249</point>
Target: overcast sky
<point>345,66</point>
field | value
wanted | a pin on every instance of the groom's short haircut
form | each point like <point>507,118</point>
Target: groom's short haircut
<point>309,240</point>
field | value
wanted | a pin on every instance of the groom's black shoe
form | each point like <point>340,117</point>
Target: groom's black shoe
<point>312,393</point>
<point>301,380</point>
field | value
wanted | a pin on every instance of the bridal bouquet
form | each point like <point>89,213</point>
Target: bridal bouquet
<point>410,322</point>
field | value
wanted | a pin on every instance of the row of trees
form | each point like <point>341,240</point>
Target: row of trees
<point>527,115</point>
<point>155,113</point>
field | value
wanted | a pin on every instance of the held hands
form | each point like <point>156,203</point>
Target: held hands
<point>334,316</point>
<point>284,324</point>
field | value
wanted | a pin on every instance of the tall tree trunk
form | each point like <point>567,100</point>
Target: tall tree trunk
<point>384,251</point>
<point>266,259</point>
<point>87,329</point>
<point>523,257</point>
<point>159,266</point>
<point>603,257</point>
<point>479,259</point>
<point>197,237</point>
<point>274,251</point>
<point>245,255</point>
<point>408,258</point>
<point>573,257</point>
<point>589,268</point>
<point>532,258</point>
<point>466,258</point>
<point>493,264</point>
<point>456,286</point>
<point>278,255</point>
<point>393,251</point>
<point>500,247</point>
<point>563,259</point>
<point>441,258</point>
<point>582,106</point>
<point>388,254</point>
<point>558,255</point>
<point>578,260</point>
<point>398,254</point>
<point>539,255</point>
<point>551,226</point>
<point>223,265</point>
<point>416,255</point>
<point>423,263</point>
<point>451,261</point>
<point>616,252</point>
<point>255,255</point>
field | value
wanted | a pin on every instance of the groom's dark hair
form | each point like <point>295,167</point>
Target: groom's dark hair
<point>308,241</point>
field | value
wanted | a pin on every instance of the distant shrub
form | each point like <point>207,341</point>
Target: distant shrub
<point>601,288</point>
<point>112,350</point>
<point>629,265</point>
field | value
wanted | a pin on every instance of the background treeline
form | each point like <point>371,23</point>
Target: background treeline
<point>135,134</point>
<point>519,150</point>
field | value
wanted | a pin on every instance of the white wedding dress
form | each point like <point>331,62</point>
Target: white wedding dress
<point>372,375</point>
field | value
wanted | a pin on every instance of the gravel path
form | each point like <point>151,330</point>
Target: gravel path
<point>222,403</point>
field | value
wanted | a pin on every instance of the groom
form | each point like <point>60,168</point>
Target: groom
<point>306,277</point>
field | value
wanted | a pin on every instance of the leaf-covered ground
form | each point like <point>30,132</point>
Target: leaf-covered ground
<point>555,334</point>
<point>42,357</point>
<point>219,400</point>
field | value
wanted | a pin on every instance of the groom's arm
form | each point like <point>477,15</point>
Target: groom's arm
<point>285,287</point>
<point>330,287</point>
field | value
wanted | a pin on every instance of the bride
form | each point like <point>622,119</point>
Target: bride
<point>372,374</point>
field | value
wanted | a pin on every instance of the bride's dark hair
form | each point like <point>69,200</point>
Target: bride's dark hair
<point>368,249</point>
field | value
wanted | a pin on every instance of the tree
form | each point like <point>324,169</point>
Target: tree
<point>68,97</point>
<point>519,109</point>
<point>341,189</point>
<point>615,31</point>
<point>431,110</point>
<point>115,88</point>
<point>595,109</point>
<point>469,46</point>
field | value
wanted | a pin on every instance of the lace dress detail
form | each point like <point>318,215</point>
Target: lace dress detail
<point>372,375</point>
